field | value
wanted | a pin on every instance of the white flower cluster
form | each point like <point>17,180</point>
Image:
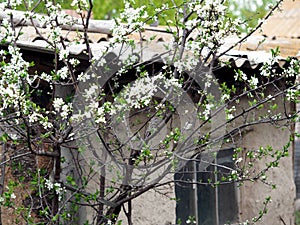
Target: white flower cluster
<point>63,73</point>
<point>207,110</point>
<point>266,70</point>
<point>136,95</point>
<point>13,196</point>
<point>211,24</point>
<point>14,3</point>
<point>56,16</point>
<point>131,19</point>
<point>189,221</point>
<point>142,90</point>
<point>230,113</point>
<point>62,108</point>
<point>8,35</point>
<point>64,53</point>
<point>163,7</point>
<point>294,68</point>
<point>128,62</point>
<point>187,64</point>
<point>240,75</point>
<point>291,95</point>
<point>80,5</point>
<point>59,190</point>
<point>253,82</point>
<point>13,93</point>
<point>46,77</point>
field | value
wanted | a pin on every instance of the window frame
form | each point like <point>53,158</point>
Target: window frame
<point>190,195</point>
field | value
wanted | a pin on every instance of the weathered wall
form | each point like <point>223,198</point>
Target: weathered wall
<point>152,208</point>
<point>254,193</point>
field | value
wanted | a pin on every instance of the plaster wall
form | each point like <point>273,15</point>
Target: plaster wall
<point>253,193</point>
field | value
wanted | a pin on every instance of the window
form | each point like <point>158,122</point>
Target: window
<point>208,205</point>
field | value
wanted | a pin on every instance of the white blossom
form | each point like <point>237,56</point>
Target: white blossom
<point>240,159</point>
<point>58,103</point>
<point>291,94</point>
<point>13,196</point>
<point>63,73</point>
<point>253,82</point>
<point>49,184</point>
<point>63,54</point>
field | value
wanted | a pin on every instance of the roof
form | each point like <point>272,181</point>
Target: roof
<point>99,36</point>
<point>280,30</point>
<point>288,47</point>
<point>284,23</point>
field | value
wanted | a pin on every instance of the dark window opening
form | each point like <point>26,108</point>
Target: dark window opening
<point>206,204</point>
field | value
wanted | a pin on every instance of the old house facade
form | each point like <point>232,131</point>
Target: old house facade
<point>224,204</point>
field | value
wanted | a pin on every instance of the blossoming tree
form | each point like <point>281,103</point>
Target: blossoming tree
<point>140,112</point>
